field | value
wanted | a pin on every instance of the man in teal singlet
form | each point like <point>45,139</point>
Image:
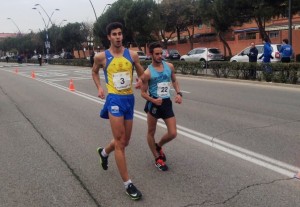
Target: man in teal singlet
<point>157,80</point>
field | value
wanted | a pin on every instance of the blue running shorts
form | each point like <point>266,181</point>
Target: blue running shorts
<point>118,105</point>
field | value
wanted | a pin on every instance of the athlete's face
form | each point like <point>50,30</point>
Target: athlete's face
<point>115,37</point>
<point>157,55</point>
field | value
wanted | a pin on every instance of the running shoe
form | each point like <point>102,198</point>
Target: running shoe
<point>103,160</point>
<point>160,164</point>
<point>133,192</point>
<point>160,152</point>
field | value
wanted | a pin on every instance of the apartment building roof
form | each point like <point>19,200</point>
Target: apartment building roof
<point>5,35</point>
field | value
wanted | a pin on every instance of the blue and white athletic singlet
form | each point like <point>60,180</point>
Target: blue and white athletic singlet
<point>160,82</point>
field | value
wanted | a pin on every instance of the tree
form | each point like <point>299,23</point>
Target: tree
<point>141,20</point>
<point>178,16</point>
<point>264,11</point>
<point>55,39</point>
<point>115,13</point>
<point>222,15</point>
<point>73,35</point>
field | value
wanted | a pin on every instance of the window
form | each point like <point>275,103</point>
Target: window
<point>192,52</point>
<point>274,34</point>
<point>199,51</point>
<point>250,36</point>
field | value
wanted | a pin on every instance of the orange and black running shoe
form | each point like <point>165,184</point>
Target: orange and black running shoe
<point>160,164</point>
<point>160,152</point>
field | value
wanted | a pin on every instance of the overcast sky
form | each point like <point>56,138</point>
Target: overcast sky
<point>22,14</point>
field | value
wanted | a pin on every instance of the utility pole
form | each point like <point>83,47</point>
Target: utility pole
<point>290,22</point>
<point>93,9</point>
<point>15,25</point>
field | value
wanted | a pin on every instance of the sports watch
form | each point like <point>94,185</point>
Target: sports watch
<point>179,93</point>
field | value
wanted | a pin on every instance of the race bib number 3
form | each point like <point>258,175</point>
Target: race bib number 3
<point>163,89</point>
<point>122,80</point>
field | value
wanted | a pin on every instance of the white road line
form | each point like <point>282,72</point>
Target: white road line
<point>256,158</point>
<point>67,79</point>
<point>182,91</point>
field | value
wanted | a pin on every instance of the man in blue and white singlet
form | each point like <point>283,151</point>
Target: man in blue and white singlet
<point>157,81</point>
<point>117,63</point>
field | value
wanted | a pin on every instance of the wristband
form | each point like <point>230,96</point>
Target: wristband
<point>179,93</point>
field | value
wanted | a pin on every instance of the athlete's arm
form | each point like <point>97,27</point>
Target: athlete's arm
<point>99,62</point>
<point>178,96</point>
<point>138,67</point>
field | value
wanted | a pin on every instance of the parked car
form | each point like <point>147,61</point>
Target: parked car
<point>34,57</point>
<point>67,55</point>
<point>171,54</point>
<point>142,55</point>
<point>243,57</point>
<point>204,55</point>
<point>56,57</point>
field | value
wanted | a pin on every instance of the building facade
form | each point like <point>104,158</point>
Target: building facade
<point>240,37</point>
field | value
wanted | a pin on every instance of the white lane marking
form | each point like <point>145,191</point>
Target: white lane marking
<point>182,91</point>
<point>256,158</point>
<point>50,74</point>
<point>67,79</point>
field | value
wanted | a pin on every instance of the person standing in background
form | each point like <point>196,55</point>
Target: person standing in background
<point>40,59</point>
<point>267,56</point>
<point>286,51</point>
<point>252,59</point>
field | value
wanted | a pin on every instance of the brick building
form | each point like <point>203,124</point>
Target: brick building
<point>240,37</point>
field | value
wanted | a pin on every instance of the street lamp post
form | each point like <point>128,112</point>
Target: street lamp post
<point>64,20</point>
<point>290,22</point>
<point>50,20</point>
<point>93,9</point>
<point>47,42</point>
<point>44,11</point>
<point>46,29</point>
<point>105,8</point>
<point>15,24</point>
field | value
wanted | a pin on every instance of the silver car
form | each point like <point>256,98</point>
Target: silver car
<point>204,55</point>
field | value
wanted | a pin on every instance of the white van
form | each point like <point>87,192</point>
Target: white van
<point>243,57</point>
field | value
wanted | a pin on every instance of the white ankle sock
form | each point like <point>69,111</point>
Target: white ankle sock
<point>103,153</point>
<point>127,183</point>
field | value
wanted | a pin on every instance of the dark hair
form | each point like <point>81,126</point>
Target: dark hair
<point>154,45</point>
<point>286,41</point>
<point>112,26</point>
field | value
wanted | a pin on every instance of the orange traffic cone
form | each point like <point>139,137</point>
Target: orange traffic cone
<point>16,70</point>
<point>297,175</point>
<point>71,86</point>
<point>32,74</point>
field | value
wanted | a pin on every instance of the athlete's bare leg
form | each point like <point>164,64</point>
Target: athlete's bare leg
<point>150,134</point>
<point>121,130</point>
<point>171,133</point>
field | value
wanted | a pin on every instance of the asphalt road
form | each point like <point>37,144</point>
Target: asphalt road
<point>237,144</point>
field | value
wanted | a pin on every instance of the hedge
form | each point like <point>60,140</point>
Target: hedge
<point>275,72</point>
